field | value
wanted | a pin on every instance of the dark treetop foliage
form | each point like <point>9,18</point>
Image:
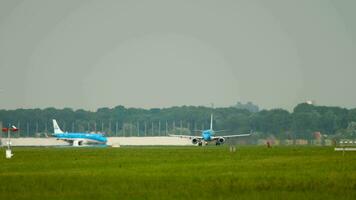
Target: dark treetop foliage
<point>301,123</point>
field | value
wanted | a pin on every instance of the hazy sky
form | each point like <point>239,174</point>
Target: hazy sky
<point>161,53</point>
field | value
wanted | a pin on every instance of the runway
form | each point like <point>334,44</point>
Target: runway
<point>112,141</point>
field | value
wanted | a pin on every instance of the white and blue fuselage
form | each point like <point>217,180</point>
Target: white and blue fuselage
<point>78,139</point>
<point>207,135</point>
<point>85,137</point>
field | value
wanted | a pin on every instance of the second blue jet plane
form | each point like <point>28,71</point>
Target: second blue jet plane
<point>209,136</point>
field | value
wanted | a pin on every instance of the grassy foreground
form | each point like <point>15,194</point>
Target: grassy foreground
<point>178,173</point>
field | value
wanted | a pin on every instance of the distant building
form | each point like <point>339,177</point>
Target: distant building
<point>310,102</point>
<point>317,135</point>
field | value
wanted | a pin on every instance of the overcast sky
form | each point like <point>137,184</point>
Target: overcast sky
<point>161,53</point>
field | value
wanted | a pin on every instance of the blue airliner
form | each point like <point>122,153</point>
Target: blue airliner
<point>209,136</point>
<point>78,139</point>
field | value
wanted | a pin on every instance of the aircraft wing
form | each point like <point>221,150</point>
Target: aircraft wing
<point>185,136</point>
<point>232,136</point>
<point>74,142</point>
<point>220,131</point>
<point>71,140</point>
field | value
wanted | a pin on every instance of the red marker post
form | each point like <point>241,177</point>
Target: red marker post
<point>8,130</point>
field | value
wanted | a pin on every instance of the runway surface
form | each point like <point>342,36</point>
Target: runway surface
<point>114,141</point>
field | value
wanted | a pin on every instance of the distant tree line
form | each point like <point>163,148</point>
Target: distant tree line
<point>248,106</point>
<point>303,122</point>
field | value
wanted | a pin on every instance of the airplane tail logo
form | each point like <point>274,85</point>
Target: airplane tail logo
<point>56,127</point>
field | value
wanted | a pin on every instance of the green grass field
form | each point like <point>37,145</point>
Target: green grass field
<point>178,173</point>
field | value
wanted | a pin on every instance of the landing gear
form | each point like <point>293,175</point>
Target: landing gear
<point>200,144</point>
<point>217,144</point>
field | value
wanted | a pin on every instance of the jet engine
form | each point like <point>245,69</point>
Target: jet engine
<point>221,140</point>
<point>77,143</point>
<point>195,141</point>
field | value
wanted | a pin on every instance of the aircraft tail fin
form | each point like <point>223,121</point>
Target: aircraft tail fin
<point>211,122</point>
<point>56,127</point>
